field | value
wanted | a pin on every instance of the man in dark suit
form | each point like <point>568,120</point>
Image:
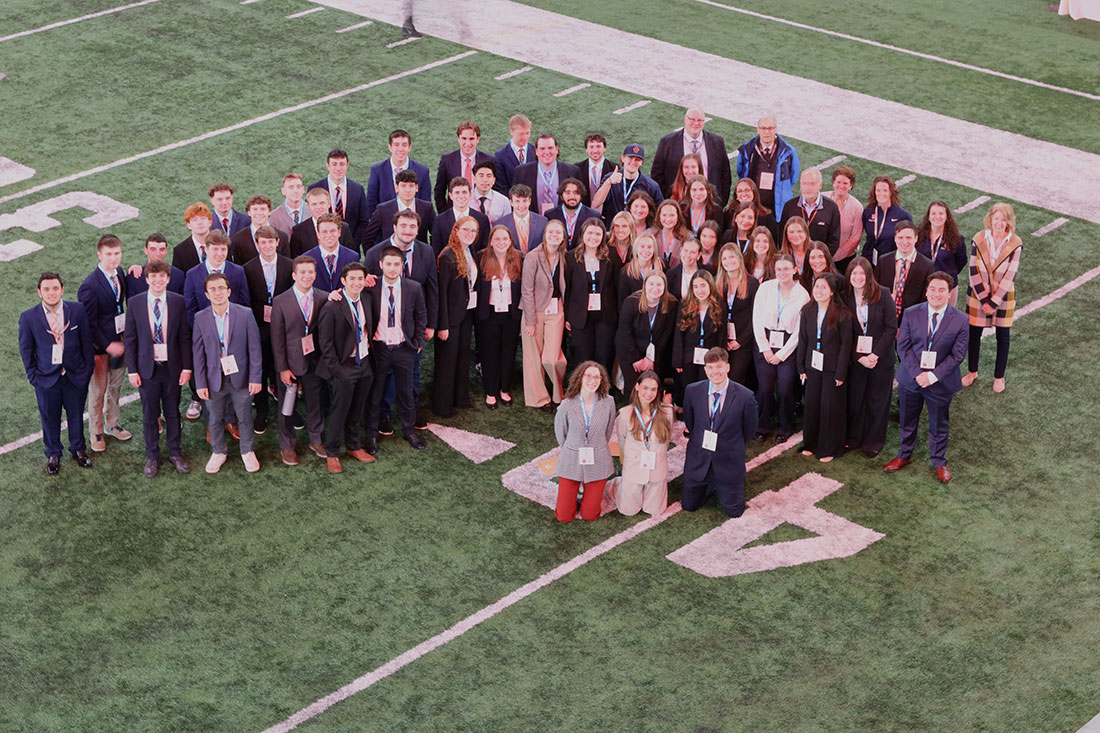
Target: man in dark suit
<point>194,287</point>
<point>158,362</point>
<point>297,358</point>
<point>103,295</point>
<point>615,190</point>
<point>349,200</point>
<point>459,162</point>
<point>459,191</point>
<point>242,245</point>
<point>720,414</point>
<point>419,265</point>
<point>596,166</point>
<point>55,343</point>
<point>293,210</point>
<point>692,138</point>
<point>904,271</point>
<point>544,175</point>
<point>822,216</point>
<point>225,345</point>
<point>226,218</point>
<point>156,250</point>
<point>380,185</point>
<point>572,211</point>
<point>304,236</point>
<point>192,251</point>
<point>932,343</point>
<point>398,339</point>
<point>268,275</point>
<point>380,227</point>
<point>344,331</point>
<point>525,227</point>
<point>329,254</point>
<point>515,153</point>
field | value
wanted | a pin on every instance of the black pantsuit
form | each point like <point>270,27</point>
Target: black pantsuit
<point>451,386</point>
<point>592,332</point>
<point>684,343</point>
<point>739,313</point>
<point>869,390</point>
<point>824,420</point>
<point>162,390</point>
<point>400,359</point>
<point>634,335</point>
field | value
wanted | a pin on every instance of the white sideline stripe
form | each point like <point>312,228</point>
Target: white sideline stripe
<point>234,127</point>
<point>468,623</point>
<point>35,437</point>
<point>1052,296</point>
<point>249,2</point>
<point>70,21</point>
<point>364,24</point>
<point>510,74</point>
<point>1050,227</point>
<point>1093,726</point>
<point>395,44</point>
<point>304,12</point>
<point>577,88</point>
<point>972,205</point>
<point>898,49</point>
<point>820,166</point>
<point>630,107</point>
<point>907,179</point>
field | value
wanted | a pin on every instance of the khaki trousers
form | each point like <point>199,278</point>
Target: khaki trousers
<point>542,357</point>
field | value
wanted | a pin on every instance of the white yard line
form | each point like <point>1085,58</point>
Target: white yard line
<point>820,166</point>
<point>631,107</point>
<point>70,21</point>
<point>1093,726</point>
<point>364,24</point>
<point>395,44</point>
<point>304,12</point>
<point>233,128</point>
<point>249,2</point>
<point>972,205</point>
<point>516,72</point>
<point>905,180</point>
<point>35,437</point>
<point>1050,227</point>
<point>570,90</point>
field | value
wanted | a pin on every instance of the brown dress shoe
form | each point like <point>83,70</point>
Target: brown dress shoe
<point>943,473</point>
<point>361,455</point>
<point>896,464</point>
<point>290,458</point>
<point>234,431</point>
<point>333,465</point>
<point>318,450</point>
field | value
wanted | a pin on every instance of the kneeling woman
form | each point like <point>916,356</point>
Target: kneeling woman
<point>644,428</point>
<point>584,425</point>
<point>824,351</point>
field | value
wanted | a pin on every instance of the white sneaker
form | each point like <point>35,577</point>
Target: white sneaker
<point>215,462</point>
<point>251,463</point>
<point>194,410</point>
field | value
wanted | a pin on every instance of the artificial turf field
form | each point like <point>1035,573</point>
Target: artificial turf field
<point>198,604</point>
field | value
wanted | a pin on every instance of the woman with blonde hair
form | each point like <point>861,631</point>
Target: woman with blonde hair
<point>643,262</point>
<point>620,238</point>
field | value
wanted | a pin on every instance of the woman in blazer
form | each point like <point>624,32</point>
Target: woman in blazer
<point>620,239</point>
<point>457,302</point>
<point>644,428</point>
<point>737,289</point>
<point>871,375</point>
<point>776,325</point>
<point>991,298</point>
<point>543,295</point>
<point>796,242</point>
<point>742,223</point>
<point>760,259</point>
<point>824,352</point>
<point>643,262</point>
<point>498,315</point>
<point>701,325</point>
<point>939,240</point>
<point>679,277</point>
<point>669,232</point>
<point>818,261</point>
<point>590,302</point>
<point>882,214</point>
<point>700,205</point>
<point>583,425</point>
<point>646,322</point>
<point>708,237</point>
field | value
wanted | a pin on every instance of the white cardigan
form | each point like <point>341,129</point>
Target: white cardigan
<point>765,308</point>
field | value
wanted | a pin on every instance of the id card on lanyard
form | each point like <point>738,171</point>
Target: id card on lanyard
<point>228,361</point>
<point>863,343</point>
<point>928,356</point>
<point>648,458</point>
<point>593,296</point>
<point>307,340</point>
<point>586,453</point>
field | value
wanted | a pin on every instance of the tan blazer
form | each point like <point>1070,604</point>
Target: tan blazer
<point>537,285</point>
<point>631,449</point>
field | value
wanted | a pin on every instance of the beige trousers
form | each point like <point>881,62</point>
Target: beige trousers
<point>542,357</point>
<point>103,391</point>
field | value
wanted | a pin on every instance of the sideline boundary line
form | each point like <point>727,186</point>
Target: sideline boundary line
<point>233,128</point>
<point>70,21</point>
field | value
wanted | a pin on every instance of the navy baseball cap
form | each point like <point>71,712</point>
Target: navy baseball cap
<point>634,150</point>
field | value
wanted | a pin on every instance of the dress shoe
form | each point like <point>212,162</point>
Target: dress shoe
<point>318,450</point>
<point>781,438</point>
<point>421,423</point>
<point>896,464</point>
<point>53,466</point>
<point>549,407</point>
<point>491,405</point>
<point>870,453</point>
<point>297,421</point>
<point>233,430</point>
<point>98,444</point>
<point>506,401</point>
<point>333,465</point>
<point>999,385</point>
<point>82,459</point>
<point>290,458</point>
<point>151,467</point>
<point>181,464</point>
<point>968,378</point>
<point>760,437</point>
<point>943,473</point>
<point>384,426</point>
<point>120,433</point>
<point>215,463</point>
<point>361,455</point>
<point>251,463</point>
<point>194,410</point>
<point>409,30</point>
<point>370,445</point>
<point>415,441</point>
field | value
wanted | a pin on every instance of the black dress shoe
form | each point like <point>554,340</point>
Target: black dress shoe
<point>415,441</point>
<point>151,467</point>
<point>259,427</point>
<point>870,453</point>
<point>297,421</point>
<point>760,437</point>
<point>53,466</point>
<point>549,407</point>
<point>370,445</point>
<point>82,459</point>
<point>780,438</point>
<point>180,463</point>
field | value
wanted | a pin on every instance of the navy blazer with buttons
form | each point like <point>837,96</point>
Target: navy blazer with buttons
<point>507,162</point>
<point>584,213</point>
<point>194,288</point>
<point>238,220</point>
<point>380,184</point>
<point>450,167</point>
<point>36,344</point>
<point>139,336</point>
<point>356,213</point>
<point>425,271</point>
<point>414,312</point>
<point>736,421</point>
<point>138,285</point>
<point>344,256</point>
<point>100,305</point>
<point>380,227</point>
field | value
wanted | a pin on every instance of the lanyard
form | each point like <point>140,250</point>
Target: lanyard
<point>587,417</point>
<point>936,246</point>
<point>626,191</point>
<point>666,248</point>
<point>780,305</point>
<point>59,317</point>
<point>592,271</point>
<point>571,222</point>
<point>269,278</point>
<point>306,304</point>
<point>697,219</point>
<point>879,223</point>
<point>731,297</point>
<point>222,324</point>
<point>743,244</point>
<point>652,320</point>
<point>647,428</point>
<point>811,215</point>
<point>471,269</point>
<point>702,321</point>
<point>355,315</point>
<point>861,312</point>
<point>554,269</point>
<point>932,330</point>
<point>820,319</point>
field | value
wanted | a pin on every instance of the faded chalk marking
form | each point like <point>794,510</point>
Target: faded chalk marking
<point>304,12</point>
<point>395,44</point>
<point>907,179</point>
<point>514,72</point>
<point>826,164</point>
<point>1050,227</point>
<point>1052,296</point>
<point>478,448</point>
<point>12,172</point>
<point>631,107</point>
<point>18,248</point>
<point>70,21</point>
<point>572,89</point>
<point>364,24</point>
<point>249,2</point>
<point>972,205</point>
<point>15,444</point>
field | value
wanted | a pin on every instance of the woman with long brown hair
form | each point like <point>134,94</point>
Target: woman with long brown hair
<point>584,424</point>
<point>939,240</point>
<point>591,308</point>
<point>691,165</point>
<point>882,214</point>
<point>457,302</point>
<point>646,322</point>
<point>737,288</point>
<point>796,241</point>
<point>620,238</point>
<point>818,261</point>
<point>746,190</point>
<point>700,205</point>
<point>760,259</point>
<point>708,237</point>
<point>644,429</point>
<point>701,326</point>
<point>742,223</point>
<point>669,232</point>
<point>824,353</point>
<point>498,315</point>
<point>871,375</point>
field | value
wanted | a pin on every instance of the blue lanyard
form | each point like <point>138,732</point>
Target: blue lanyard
<point>652,320</point>
<point>820,320</point>
<point>592,272</point>
<point>269,280</point>
<point>355,315</point>
<point>647,428</point>
<point>713,411</point>
<point>587,417</point>
<point>702,320</point>
<point>931,330</point>
<point>861,310</point>
<point>306,304</point>
<point>626,191</point>
<point>222,324</point>
<point>780,305</point>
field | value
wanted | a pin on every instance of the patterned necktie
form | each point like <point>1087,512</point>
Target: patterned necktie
<point>338,206</point>
<point>899,285</point>
<point>158,329</point>
<point>114,285</point>
<point>297,216</point>
<point>468,170</point>
<point>330,264</point>
<point>695,146</point>
<point>390,321</point>
<point>521,154</point>
<point>714,408</point>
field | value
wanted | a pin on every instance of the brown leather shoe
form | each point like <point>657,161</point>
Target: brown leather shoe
<point>896,464</point>
<point>290,458</point>
<point>334,465</point>
<point>318,450</point>
<point>361,455</point>
<point>943,473</point>
<point>234,431</point>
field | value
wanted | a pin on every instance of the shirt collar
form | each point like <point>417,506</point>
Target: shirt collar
<point>817,203</point>
<point>912,256</point>
<point>712,390</point>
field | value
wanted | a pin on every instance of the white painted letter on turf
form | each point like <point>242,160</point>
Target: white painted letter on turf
<point>36,218</point>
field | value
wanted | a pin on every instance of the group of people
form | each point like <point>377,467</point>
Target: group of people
<point>656,284</point>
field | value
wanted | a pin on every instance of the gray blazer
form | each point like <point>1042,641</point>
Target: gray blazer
<point>569,427</point>
<point>538,285</point>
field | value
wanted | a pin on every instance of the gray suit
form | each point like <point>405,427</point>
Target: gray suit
<point>243,343</point>
<point>569,427</point>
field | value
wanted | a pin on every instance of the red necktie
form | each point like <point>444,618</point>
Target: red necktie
<point>899,285</point>
<point>521,153</point>
<point>225,224</point>
<point>468,171</point>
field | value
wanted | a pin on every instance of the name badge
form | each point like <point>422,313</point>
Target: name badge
<point>776,339</point>
<point>552,308</point>
<point>593,301</point>
<point>267,314</point>
<point>767,180</point>
<point>229,365</point>
<point>928,360</point>
<point>57,353</point>
<point>586,455</point>
<point>648,460</point>
<point>863,344</point>
<point>731,332</point>
<point>817,360</point>
<point>307,344</point>
<point>392,339</point>
<point>473,300</point>
<point>160,352</point>
<point>500,306</point>
<point>699,356</point>
<point>710,440</point>
<point>364,348</point>
<point>650,352</point>
<point>120,323</point>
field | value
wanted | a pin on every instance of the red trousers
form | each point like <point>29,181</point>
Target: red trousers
<point>566,508</point>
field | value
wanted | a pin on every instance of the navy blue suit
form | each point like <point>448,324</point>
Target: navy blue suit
<point>58,385</point>
<point>356,212</point>
<point>950,343</point>
<point>194,288</point>
<point>584,213</point>
<point>380,184</point>
<point>101,306</point>
<point>450,167</point>
<point>507,162</point>
<point>138,285</point>
<point>381,222</point>
<point>535,229</point>
<point>238,220</point>
<point>326,281</point>
<point>723,469</point>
